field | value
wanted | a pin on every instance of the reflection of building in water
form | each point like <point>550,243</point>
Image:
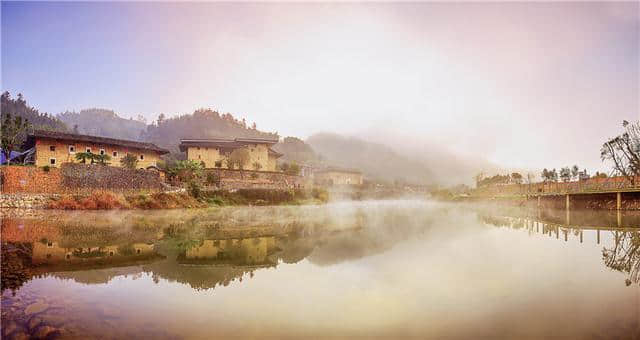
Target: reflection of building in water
<point>247,251</point>
<point>23,260</point>
<point>50,252</point>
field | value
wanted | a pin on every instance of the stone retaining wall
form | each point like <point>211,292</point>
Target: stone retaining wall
<point>29,179</point>
<point>250,179</point>
<point>76,178</point>
<point>25,201</point>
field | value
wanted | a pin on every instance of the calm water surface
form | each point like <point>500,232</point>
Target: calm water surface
<point>386,268</point>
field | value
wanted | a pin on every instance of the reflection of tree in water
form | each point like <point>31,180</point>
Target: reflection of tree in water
<point>16,264</point>
<point>624,256</point>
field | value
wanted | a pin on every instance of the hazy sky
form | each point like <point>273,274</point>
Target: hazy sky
<point>520,84</point>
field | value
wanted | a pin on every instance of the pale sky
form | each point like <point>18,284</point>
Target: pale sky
<point>518,84</point>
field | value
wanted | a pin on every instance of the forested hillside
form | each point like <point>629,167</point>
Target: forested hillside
<point>19,107</point>
<point>104,123</point>
<point>203,123</point>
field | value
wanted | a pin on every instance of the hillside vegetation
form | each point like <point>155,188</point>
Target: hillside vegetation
<point>19,107</point>
<point>104,123</point>
<point>203,123</point>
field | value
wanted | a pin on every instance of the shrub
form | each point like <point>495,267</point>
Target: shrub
<point>46,168</point>
<point>194,190</point>
<point>129,161</point>
<point>213,179</point>
<point>95,201</point>
<point>320,194</point>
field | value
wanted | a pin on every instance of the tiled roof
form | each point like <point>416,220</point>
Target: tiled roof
<point>224,143</point>
<point>95,139</point>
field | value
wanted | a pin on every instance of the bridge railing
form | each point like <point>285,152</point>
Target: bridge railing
<point>583,186</point>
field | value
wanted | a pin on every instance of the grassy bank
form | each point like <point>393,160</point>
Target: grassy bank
<point>193,198</point>
<point>264,197</point>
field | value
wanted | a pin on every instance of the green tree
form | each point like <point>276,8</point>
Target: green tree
<point>294,169</point>
<point>565,174</point>
<point>575,172</point>
<point>13,133</point>
<point>102,159</point>
<point>554,175</point>
<point>516,177</point>
<point>624,151</point>
<point>82,157</point>
<point>545,175</point>
<point>129,161</point>
<point>284,167</point>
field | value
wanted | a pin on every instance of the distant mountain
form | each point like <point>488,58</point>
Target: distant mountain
<point>203,123</point>
<point>104,123</point>
<point>376,161</point>
<point>19,107</point>
<point>399,158</point>
<point>296,150</point>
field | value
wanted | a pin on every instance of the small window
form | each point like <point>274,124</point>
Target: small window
<point>52,148</point>
<point>68,256</point>
<point>88,150</point>
<point>110,253</point>
<point>52,161</point>
<point>199,157</point>
<point>50,244</point>
<point>138,251</point>
<point>141,157</point>
<point>198,148</point>
<point>72,148</point>
<point>115,154</point>
<point>102,152</point>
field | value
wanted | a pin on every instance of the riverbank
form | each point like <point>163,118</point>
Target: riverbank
<point>191,198</point>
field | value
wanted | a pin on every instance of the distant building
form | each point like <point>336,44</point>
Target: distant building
<point>337,176</point>
<point>55,148</point>
<point>213,153</point>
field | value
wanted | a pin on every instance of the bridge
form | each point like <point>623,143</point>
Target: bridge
<point>592,186</point>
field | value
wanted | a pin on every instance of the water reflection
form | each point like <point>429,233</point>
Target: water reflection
<point>389,269</point>
<point>622,251</point>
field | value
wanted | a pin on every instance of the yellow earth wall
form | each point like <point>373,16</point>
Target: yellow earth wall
<point>63,155</point>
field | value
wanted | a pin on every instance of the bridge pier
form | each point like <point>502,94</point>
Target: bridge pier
<point>618,200</point>
<point>598,235</point>
<point>567,202</point>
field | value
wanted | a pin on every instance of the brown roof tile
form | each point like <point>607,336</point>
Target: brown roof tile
<point>94,139</point>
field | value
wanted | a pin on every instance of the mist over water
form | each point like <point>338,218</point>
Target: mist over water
<point>384,268</point>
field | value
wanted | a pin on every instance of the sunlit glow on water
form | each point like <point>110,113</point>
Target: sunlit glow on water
<point>393,268</point>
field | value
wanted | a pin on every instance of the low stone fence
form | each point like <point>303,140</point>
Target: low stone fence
<point>76,178</point>
<point>25,201</point>
<point>251,179</point>
<point>93,176</point>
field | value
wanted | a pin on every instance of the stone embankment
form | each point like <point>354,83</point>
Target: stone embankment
<point>26,201</point>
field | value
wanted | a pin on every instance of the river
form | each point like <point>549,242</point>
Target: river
<point>378,268</point>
